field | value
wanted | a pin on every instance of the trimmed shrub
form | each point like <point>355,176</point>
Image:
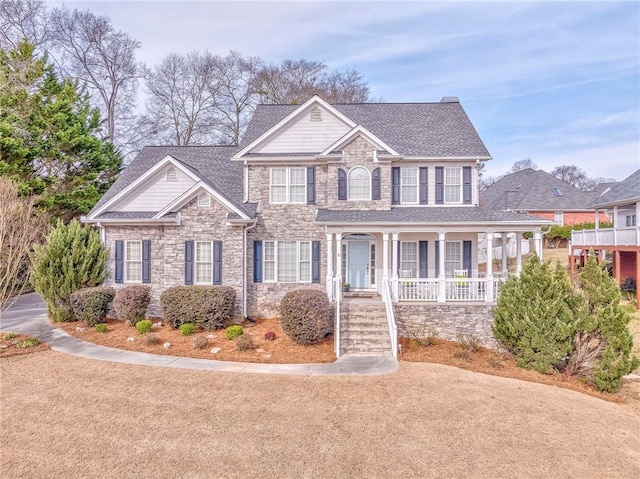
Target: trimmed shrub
<point>245,343</point>
<point>91,305</point>
<point>200,342</point>
<point>270,336</point>
<point>144,326</point>
<point>535,317</point>
<point>101,327</point>
<point>187,328</point>
<point>232,332</point>
<point>306,315</point>
<point>151,339</point>
<point>131,303</point>
<point>73,257</point>
<point>208,307</point>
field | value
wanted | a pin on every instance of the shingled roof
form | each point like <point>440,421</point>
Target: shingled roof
<point>628,190</point>
<point>211,163</point>
<point>440,129</point>
<point>534,190</point>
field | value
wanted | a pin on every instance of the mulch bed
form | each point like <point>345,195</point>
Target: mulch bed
<point>9,347</point>
<point>282,350</point>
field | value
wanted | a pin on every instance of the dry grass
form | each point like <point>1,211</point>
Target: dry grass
<point>9,345</point>
<point>64,416</point>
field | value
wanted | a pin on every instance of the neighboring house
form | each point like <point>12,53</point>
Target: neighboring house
<point>623,240</point>
<point>381,196</point>
<point>537,193</point>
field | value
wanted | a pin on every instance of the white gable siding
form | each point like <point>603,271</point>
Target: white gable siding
<point>155,193</point>
<point>306,136</point>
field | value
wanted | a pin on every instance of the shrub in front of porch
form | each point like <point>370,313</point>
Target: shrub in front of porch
<point>208,307</point>
<point>536,315</point>
<point>306,316</point>
<point>92,304</point>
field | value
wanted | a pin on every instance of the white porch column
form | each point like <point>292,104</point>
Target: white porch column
<point>505,269</point>
<point>537,241</point>
<point>638,228</point>
<point>329,278</point>
<point>394,267</point>
<point>385,256</point>
<point>518,254</point>
<point>615,225</point>
<point>340,279</point>
<point>489,298</point>
<point>442,286</point>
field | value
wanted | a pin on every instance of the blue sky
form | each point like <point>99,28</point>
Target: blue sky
<point>556,82</point>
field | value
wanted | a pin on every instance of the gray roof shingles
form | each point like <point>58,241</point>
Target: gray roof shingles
<point>440,129</point>
<point>426,215</point>
<point>628,190</point>
<point>531,190</point>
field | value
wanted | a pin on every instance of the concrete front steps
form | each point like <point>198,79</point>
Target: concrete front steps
<point>363,328</point>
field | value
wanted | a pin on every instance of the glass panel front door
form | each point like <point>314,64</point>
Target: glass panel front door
<point>358,259</point>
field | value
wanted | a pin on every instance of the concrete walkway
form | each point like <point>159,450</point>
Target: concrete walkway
<point>28,316</point>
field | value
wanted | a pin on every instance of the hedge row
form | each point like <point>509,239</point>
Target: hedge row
<point>208,307</point>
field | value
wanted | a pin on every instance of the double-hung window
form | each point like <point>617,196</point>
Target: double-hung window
<point>133,262</point>
<point>289,185</point>
<point>409,259</point>
<point>452,257</point>
<point>409,185</point>
<point>453,185</point>
<point>359,184</point>
<point>631,220</point>
<point>287,261</point>
<point>203,262</point>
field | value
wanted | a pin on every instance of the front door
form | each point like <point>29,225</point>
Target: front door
<point>358,264</point>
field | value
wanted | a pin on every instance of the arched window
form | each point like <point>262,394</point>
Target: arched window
<point>359,184</point>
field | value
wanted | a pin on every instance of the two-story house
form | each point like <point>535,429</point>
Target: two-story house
<point>383,197</point>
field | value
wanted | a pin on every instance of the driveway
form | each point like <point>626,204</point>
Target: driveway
<point>68,416</point>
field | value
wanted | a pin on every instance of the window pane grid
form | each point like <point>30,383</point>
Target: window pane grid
<point>287,261</point>
<point>409,185</point>
<point>204,262</point>
<point>269,261</point>
<point>133,262</point>
<point>359,184</point>
<point>453,185</point>
<point>408,259</point>
<point>305,261</point>
<point>288,185</point>
<point>453,257</point>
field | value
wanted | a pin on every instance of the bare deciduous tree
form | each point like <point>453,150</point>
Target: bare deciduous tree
<point>19,230</point>
<point>22,20</point>
<point>91,51</point>
<point>182,107</point>
<point>523,165</point>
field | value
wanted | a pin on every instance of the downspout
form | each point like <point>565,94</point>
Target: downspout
<point>244,269</point>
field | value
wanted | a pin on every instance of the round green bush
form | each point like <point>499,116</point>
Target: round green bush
<point>233,332</point>
<point>144,326</point>
<point>306,316</point>
<point>101,328</point>
<point>187,328</point>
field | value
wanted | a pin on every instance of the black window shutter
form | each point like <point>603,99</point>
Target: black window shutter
<point>311,185</point>
<point>342,184</point>
<point>423,258</point>
<point>257,261</point>
<point>466,185</point>
<point>395,185</point>
<point>466,257</point>
<point>439,185</point>
<point>437,258</point>
<point>375,186</point>
<point>119,261</point>
<point>217,262</point>
<point>188,262</point>
<point>146,261</point>
<point>424,178</point>
<point>315,261</point>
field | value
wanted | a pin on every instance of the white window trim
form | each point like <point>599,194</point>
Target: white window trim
<point>417,261</point>
<point>204,199</point>
<point>299,246</point>
<point>127,261</point>
<point>558,215</point>
<point>460,263</point>
<point>355,168</point>
<point>444,185</point>
<point>287,185</point>
<point>417,187</point>
<point>196,262</point>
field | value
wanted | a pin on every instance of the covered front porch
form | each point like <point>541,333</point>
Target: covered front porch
<point>419,264</point>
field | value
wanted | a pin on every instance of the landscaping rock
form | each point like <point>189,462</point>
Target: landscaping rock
<point>79,329</point>
<point>215,350</point>
<point>167,345</point>
<point>157,325</point>
<point>260,350</point>
<point>131,339</point>
<point>211,336</point>
<point>266,356</point>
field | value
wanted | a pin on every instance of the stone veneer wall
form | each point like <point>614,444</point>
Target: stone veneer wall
<point>447,321</point>
<point>204,223</point>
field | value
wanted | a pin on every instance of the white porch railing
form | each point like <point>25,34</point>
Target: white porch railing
<point>622,236</point>
<point>456,289</point>
<point>391,320</point>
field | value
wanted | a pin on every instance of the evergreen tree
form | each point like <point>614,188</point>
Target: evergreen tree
<point>49,137</point>
<point>73,257</point>
<point>603,330</point>
<point>535,315</point>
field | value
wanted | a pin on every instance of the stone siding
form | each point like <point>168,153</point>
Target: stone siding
<point>199,223</point>
<point>447,321</point>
